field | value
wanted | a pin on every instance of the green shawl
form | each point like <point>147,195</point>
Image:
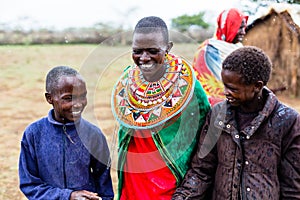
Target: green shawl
<point>176,140</point>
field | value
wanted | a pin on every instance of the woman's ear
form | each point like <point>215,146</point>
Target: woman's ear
<point>48,97</point>
<point>169,47</point>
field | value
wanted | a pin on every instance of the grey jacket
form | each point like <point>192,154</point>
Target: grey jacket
<point>262,161</point>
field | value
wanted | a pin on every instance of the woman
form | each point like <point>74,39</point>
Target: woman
<point>161,108</point>
<point>211,53</point>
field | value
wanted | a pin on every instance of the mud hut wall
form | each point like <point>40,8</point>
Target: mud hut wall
<point>293,51</point>
<point>263,35</point>
<point>289,53</point>
<point>274,35</point>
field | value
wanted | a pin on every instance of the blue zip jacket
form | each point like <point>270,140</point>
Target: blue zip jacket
<point>52,165</point>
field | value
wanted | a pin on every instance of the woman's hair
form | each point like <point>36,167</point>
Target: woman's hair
<point>55,74</point>
<point>251,63</point>
<point>152,24</point>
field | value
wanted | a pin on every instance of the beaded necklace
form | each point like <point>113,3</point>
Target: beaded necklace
<point>137,103</point>
<point>144,95</point>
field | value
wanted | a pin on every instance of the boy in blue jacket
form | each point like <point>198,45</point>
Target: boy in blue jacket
<point>63,156</point>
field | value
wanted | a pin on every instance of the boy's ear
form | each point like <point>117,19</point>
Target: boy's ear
<point>259,85</point>
<point>48,97</point>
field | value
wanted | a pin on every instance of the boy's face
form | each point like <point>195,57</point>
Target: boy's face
<point>237,92</point>
<point>69,99</point>
<point>148,53</point>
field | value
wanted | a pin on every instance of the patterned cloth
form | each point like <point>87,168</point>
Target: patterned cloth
<point>208,65</point>
<point>212,52</point>
<point>150,175</point>
<point>171,111</point>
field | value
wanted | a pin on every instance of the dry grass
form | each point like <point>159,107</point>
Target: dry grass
<point>23,69</point>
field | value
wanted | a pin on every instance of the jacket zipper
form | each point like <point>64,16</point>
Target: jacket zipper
<point>242,193</point>
<point>64,166</point>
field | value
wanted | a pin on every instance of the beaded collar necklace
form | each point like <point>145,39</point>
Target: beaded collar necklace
<point>144,95</point>
<point>140,104</point>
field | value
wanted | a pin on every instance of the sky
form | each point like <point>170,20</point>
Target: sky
<point>60,14</point>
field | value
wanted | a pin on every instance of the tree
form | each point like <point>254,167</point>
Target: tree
<point>183,22</point>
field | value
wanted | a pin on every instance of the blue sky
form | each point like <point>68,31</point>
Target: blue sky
<point>60,14</point>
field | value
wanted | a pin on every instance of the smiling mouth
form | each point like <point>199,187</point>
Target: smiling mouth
<point>76,113</point>
<point>146,66</point>
<point>230,100</point>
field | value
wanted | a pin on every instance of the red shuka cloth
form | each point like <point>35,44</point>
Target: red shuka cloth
<point>146,175</point>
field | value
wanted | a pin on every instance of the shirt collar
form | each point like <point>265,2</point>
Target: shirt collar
<point>53,121</point>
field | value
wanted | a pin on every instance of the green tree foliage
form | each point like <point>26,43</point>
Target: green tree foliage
<point>183,22</point>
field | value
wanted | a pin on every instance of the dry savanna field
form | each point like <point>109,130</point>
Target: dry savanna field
<point>23,71</point>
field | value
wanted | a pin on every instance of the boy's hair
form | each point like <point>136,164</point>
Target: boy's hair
<point>152,24</point>
<point>251,63</point>
<point>55,74</point>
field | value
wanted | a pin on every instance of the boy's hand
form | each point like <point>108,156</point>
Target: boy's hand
<point>83,195</point>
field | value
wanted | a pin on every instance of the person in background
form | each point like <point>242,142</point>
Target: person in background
<point>210,54</point>
<point>249,145</point>
<point>63,156</point>
<point>160,107</point>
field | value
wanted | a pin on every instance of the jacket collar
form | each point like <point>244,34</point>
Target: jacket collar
<point>53,121</point>
<point>225,115</point>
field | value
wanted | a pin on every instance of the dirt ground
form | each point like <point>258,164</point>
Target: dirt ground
<point>22,86</point>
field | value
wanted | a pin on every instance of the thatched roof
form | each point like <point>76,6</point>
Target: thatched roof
<point>279,36</point>
<point>284,14</point>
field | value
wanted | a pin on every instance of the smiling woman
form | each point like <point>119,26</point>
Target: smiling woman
<point>148,52</point>
<point>160,106</point>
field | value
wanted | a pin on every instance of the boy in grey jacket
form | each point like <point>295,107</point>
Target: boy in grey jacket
<point>249,147</point>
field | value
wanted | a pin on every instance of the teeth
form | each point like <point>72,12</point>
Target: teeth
<point>144,66</point>
<point>76,113</point>
<point>230,100</point>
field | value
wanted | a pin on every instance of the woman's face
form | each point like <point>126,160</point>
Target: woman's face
<point>241,33</point>
<point>148,53</point>
<point>237,92</point>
